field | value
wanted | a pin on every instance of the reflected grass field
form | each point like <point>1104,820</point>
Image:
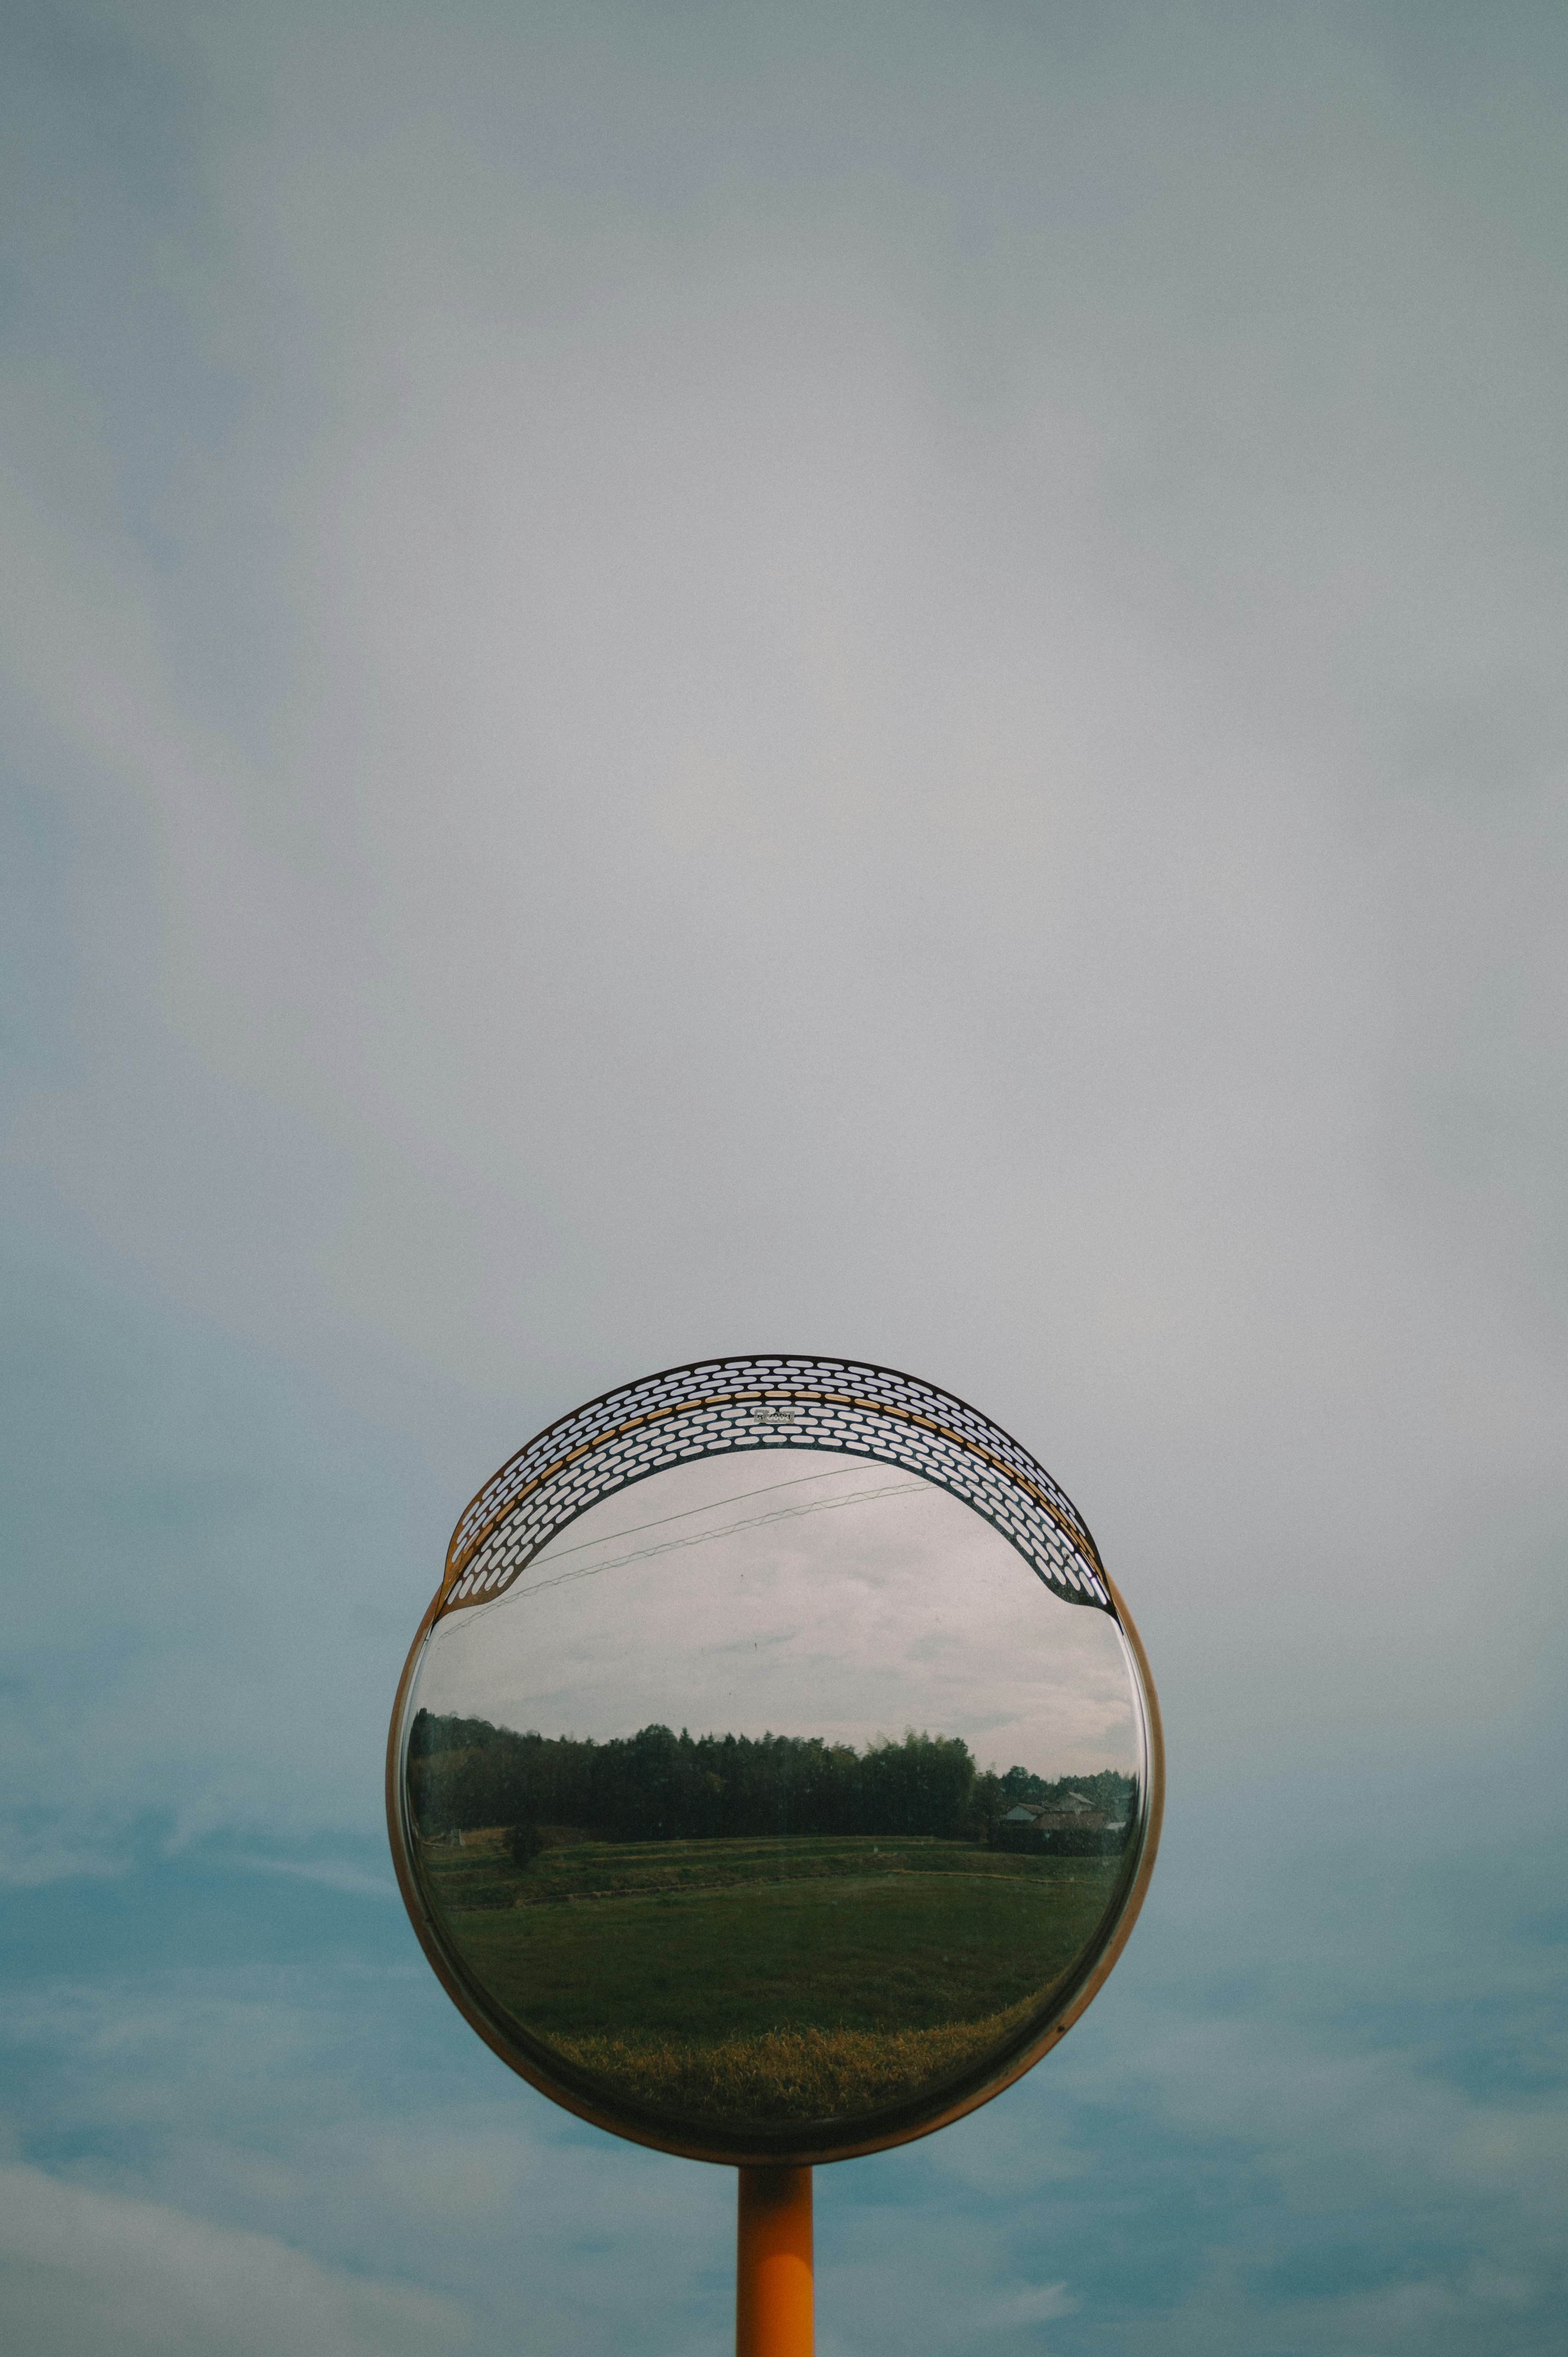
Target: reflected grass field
<point>767,1980</point>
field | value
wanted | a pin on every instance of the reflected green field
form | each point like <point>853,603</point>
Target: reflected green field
<point>767,1980</point>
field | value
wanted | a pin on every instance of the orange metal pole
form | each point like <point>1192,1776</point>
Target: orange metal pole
<point>773,2263</point>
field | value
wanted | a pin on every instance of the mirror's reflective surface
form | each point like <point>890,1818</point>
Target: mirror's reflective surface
<point>778,1789</point>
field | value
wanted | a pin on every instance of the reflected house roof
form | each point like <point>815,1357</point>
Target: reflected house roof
<point>1060,1811</point>
<point>1067,1811</point>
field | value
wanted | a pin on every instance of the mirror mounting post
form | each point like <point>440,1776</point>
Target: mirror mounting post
<point>773,2263</point>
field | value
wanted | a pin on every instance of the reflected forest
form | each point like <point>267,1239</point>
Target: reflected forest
<point>754,1931</point>
<point>463,1773</point>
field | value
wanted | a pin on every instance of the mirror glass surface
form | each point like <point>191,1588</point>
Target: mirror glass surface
<point>778,1789</point>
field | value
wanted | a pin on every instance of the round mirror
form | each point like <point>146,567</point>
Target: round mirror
<point>776,1772</point>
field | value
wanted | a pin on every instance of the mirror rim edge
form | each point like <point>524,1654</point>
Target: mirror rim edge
<point>571,2098</point>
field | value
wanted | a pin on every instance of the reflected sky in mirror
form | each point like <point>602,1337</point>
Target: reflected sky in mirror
<point>795,1592</point>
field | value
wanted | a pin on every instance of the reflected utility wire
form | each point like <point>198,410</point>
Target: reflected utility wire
<point>697,1538</point>
<point>738,1498</point>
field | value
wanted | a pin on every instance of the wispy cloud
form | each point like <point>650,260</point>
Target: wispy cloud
<point>328,1872</point>
<point>1036,2304</point>
<point>81,2265</point>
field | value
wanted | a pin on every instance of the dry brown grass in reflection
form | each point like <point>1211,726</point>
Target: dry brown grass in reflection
<point>788,2074</point>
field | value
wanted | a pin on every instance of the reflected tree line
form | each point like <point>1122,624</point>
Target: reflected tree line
<point>658,1786</point>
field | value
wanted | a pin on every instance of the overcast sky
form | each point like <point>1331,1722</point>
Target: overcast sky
<point>871,679</point>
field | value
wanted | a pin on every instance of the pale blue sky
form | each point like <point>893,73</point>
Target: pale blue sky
<point>881,680</point>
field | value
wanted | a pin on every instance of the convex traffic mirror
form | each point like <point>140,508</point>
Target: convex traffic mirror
<point>776,1772</point>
